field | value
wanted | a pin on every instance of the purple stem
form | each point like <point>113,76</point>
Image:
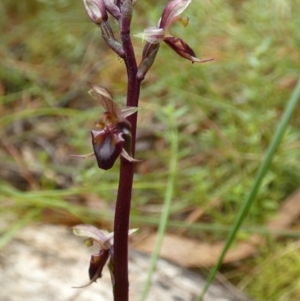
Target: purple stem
<point>122,211</point>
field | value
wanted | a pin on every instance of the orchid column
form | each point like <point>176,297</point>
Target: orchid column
<point>116,129</point>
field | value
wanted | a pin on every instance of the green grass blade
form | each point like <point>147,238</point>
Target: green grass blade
<point>173,137</point>
<point>290,108</point>
<point>29,113</point>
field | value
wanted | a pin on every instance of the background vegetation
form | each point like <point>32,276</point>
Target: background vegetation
<point>227,113</point>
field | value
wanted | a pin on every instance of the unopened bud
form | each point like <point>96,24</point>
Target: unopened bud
<point>149,54</point>
<point>126,15</point>
<point>112,8</point>
<point>96,10</point>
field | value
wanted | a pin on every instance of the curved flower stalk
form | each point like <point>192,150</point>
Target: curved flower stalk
<point>105,241</point>
<point>170,15</point>
<point>114,135</point>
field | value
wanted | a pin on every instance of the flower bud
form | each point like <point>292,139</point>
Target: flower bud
<point>96,10</point>
<point>112,8</point>
<point>126,15</point>
<point>149,54</point>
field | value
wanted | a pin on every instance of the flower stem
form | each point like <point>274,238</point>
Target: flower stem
<point>122,211</point>
<point>121,226</point>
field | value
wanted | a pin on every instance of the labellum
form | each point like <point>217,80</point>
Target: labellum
<point>109,143</point>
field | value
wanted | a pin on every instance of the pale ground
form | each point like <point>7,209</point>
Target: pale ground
<point>44,262</point>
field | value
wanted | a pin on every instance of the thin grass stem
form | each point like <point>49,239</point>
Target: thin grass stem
<point>263,169</point>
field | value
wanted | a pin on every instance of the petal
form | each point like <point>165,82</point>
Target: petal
<point>127,111</point>
<point>173,9</point>
<point>132,231</point>
<point>110,236</point>
<point>123,132</point>
<point>116,114</point>
<point>104,97</point>
<point>125,155</point>
<point>196,60</point>
<point>183,49</point>
<point>110,266</point>
<point>152,35</point>
<point>83,156</point>
<point>102,92</point>
<point>101,236</point>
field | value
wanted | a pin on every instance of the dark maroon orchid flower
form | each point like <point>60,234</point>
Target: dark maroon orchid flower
<point>170,15</point>
<point>114,135</point>
<point>105,240</point>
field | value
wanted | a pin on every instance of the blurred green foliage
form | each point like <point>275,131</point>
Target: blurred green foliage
<point>49,50</point>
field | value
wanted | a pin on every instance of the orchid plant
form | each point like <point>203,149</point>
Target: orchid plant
<point>116,128</point>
